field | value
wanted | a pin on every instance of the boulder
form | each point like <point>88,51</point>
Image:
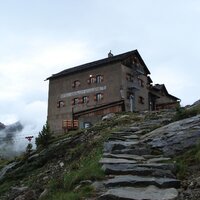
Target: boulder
<point>108,116</point>
<point>29,195</point>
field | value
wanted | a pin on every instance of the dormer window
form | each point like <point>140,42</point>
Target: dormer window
<point>76,84</point>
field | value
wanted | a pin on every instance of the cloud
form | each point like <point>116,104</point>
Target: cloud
<point>23,90</point>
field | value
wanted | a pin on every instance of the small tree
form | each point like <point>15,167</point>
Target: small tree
<point>44,136</point>
<point>29,148</point>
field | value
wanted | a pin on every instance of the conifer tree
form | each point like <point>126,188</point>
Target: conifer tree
<point>44,136</point>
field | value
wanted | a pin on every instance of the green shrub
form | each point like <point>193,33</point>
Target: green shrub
<point>44,136</point>
<point>89,169</point>
<point>183,113</point>
<point>189,158</point>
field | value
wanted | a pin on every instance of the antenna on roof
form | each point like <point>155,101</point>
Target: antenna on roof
<point>110,54</point>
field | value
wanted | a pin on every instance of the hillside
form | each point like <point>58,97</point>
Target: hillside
<point>69,167</point>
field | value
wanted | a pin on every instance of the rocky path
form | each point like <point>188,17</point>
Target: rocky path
<point>136,171</point>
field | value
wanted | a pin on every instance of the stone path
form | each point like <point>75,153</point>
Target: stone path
<point>136,171</point>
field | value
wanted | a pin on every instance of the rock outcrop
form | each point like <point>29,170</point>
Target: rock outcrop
<point>176,137</point>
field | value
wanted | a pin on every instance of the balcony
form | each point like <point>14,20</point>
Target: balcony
<point>133,85</point>
<point>138,68</point>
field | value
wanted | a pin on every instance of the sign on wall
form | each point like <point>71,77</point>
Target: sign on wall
<point>82,92</point>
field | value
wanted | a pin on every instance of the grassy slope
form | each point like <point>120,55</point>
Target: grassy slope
<point>81,163</point>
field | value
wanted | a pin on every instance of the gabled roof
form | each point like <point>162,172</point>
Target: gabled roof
<point>149,80</point>
<point>161,87</point>
<point>99,63</point>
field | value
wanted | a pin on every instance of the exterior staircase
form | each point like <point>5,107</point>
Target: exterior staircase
<point>135,170</point>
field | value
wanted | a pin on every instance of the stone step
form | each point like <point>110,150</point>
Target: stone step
<point>134,151</point>
<point>132,129</point>
<point>122,133</point>
<point>141,181</point>
<point>126,156</point>
<point>117,138</point>
<point>116,161</point>
<point>131,136</point>
<point>121,139</point>
<point>119,145</point>
<point>157,160</point>
<point>144,193</point>
<point>125,169</point>
<point>164,166</point>
<point>152,159</point>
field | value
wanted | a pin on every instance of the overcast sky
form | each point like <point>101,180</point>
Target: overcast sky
<point>42,37</point>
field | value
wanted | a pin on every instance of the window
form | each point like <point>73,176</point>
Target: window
<point>129,77</point>
<point>141,100</point>
<point>76,84</point>
<point>75,101</point>
<point>95,79</point>
<point>85,99</point>
<point>60,104</point>
<point>98,97</point>
<point>99,78</point>
<point>92,79</point>
<point>141,82</point>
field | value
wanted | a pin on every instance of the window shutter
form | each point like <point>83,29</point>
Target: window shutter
<point>101,96</point>
<point>95,97</point>
<point>72,102</point>
<point>58,104</point>
<point>88,81</point>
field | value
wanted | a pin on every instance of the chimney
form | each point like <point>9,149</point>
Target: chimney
<point>110,54</point>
